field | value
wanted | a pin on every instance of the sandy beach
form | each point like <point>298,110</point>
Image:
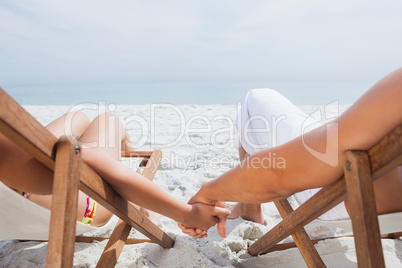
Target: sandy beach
<point>199,142</point>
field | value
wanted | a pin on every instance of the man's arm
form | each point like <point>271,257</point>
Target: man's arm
<point>259,180</point>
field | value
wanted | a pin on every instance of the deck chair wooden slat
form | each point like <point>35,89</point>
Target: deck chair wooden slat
<point>289,245</point>
<point>64,201</point>
<point>115,245</point>
<point>363,210</point>
<point>21,128</point>
<point>90,239</point>
<point>383,157</point>
<point>301,238</point>
<point>145,154</point>
<point>322,201</point>
<point>386,154</point>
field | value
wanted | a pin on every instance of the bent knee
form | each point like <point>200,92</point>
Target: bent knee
<point>264,96</point>
<point>111,120</point>
<point>106,116</point>
<point>79,117</point>
<point>76,123</point>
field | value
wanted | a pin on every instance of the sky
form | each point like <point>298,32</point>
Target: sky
<point>76,43</point>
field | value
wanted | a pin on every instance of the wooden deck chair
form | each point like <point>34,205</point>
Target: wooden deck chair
<point>70,174</point>
<point>361,168</point>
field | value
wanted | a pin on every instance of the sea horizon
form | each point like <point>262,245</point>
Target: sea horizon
<point>300,93</point>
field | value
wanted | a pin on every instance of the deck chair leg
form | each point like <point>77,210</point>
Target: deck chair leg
<point>363,209</point>
<point>301,238</point>
<point>115,245</point>
<point>64,205</point>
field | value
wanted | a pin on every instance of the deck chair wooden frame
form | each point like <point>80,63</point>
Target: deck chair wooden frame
<point>361,168</point>
<point>63,156</point>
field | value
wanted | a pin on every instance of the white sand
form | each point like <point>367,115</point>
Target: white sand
<point>185,167</point>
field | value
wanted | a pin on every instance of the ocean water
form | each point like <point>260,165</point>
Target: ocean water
<point>302,93</point>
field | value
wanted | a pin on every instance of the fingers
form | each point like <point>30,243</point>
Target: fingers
<point>206,216</point>
<point>221,204</point>
<point>187,231</point>
<point>221,212</point>
<point>204,233</point>
<point>200,233</point>
<point>181,226</point>
<point>222,227</point>
<point>197,233</point>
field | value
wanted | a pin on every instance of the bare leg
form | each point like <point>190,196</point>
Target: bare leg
<point>70,124</point>
<point>109,136</point>
<point>28,175</point>
<point>104,134</point>
<point>387,190</point>
<point>21,171</point>
<point>250,212</point>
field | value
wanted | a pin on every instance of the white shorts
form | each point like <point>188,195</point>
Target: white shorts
<point>267,119</point>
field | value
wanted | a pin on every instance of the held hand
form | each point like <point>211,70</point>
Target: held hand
<point>198,198</point>
<point>197,233</point>
<point>202,217</point>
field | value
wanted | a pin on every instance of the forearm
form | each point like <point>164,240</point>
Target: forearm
<point>134,187</point>
<point>139,190</point>
<point>275,173</point>
<point>244,184</point>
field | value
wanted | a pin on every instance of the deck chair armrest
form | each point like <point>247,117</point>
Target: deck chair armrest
<point>151,159</point>
<point>132,153</point>
<point>146,155</point>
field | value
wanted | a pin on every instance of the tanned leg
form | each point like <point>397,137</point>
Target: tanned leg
<point>32,177</point>
<point>106,134</point>
<point>387,191</point>
<point>74,123</point>
<point>19,170</point>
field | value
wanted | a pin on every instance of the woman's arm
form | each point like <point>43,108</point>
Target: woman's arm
<point>139,190</point>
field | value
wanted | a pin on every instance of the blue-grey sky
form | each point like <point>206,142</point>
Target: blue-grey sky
<point>81,42</point>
